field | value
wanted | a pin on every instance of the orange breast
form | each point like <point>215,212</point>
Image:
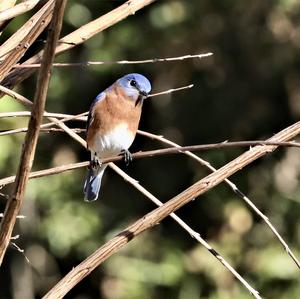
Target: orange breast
<point>113,111</point>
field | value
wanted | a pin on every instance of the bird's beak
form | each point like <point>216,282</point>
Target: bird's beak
<point>143,93</point>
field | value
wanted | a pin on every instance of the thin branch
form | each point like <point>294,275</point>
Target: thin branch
<point>170,91</point>
<point>16,96</point>
<point>19,216</point>
<point>146,154</point>
<point>80,116</point>
<point>50,130</point>
<point>17,10</point>
<point>46,114</point>
<point>156,216</point>
<point>46,172</point>
<point>79,36</point>
<point>15,202</point>
<point>91,63</point>
<point>20,251</point>
<point>27,102</point>
<point>234,188</point>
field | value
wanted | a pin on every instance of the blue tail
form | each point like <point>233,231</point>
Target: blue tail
<point>93,183</point>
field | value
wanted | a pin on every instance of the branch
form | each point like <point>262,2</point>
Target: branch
<point>27,102</point>
<point>79,36</point>
<point>23,38</point>
<point>157,215</point>
<point>90,63</point>
<point>17,10</point>
<point>3,6</point>
<point>140,155</point>
<point>15,202</point>
<point>170,91</point>
<point>46,114</point>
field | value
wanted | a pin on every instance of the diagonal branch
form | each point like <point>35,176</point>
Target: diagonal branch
<point>15,201</point>
<point>187,228</point>
<point>4,5</point>
<point>157,215</point>
<point>234,188</point>
<point>17,10</point>
<point>17,44</point>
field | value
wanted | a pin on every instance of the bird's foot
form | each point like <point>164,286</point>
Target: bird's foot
<point>95,163</point>
<point>127,156</point>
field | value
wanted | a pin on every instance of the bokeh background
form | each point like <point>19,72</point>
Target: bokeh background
<point>249,89</point>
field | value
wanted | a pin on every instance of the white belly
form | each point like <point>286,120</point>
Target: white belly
<point>113,142</point>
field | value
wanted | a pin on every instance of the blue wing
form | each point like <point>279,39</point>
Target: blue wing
<point>98,98</point>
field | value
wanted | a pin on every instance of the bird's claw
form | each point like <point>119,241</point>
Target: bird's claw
<point>127,156</point>
<point>95,163</point>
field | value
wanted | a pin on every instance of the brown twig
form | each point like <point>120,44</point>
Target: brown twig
<point>14,203</point>
<point>79,36</point>
<point>170,91</point>
<point>91,63</point>
<point>27,102</point>
<point>146,154</point>
<point>46,172</point>
<point>157,215</point>
<point>42,130</point>
<point>46,114</point>
<point>234,188</point>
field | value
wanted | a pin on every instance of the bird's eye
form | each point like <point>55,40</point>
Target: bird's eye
<point>133,83</point>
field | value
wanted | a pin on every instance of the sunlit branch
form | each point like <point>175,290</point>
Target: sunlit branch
<point>234,188</point>
<point>91,63</point>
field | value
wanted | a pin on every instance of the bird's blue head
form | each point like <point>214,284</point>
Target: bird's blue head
<point>135,85</point>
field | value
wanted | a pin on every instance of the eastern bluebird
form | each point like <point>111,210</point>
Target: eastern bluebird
<point>112,124</point>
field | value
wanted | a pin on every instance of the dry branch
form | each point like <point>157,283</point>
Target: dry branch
<point>154,217</point>
<point>17,10</point>
<point>90,63</point>
<point>50,124</point>
<point>234,188</point>
<point>170,91</point>
<point>79,36</point>
<point>23,38</point>
<point>146,154</point>
<point>27,102</point>
<point>15,201</point>
<point>28,113</point>
<point>4,5</point>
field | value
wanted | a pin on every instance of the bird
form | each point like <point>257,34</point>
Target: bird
<point>112,124</point>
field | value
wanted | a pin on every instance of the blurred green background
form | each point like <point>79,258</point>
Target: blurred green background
<point>249,89</point>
